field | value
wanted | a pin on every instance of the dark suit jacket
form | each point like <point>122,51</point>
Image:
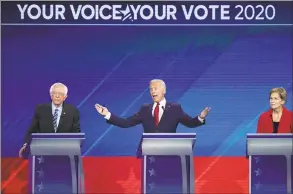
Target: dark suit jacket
<point>43,120</point>
<point>172,116</point>
<point>265,122</point>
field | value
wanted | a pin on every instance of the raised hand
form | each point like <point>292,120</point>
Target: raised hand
<point>102,110</point>
<point>205,112</point>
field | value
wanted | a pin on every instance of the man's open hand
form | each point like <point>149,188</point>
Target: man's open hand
<point>205,112</point>
<point>102,110</point>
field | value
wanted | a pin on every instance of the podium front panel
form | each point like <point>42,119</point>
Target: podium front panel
<point>163,175</point>
<point>291,174</point>
<point>55,163</point>
<point>166,147</point>
<point>167,162</point>
<point>167,174</point>
<point>52,174</point>
<point>268,174</point>
<point>270,144</point>
<point>270,164</point>
<point>55,146</point>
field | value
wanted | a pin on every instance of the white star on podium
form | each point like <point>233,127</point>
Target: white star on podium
<point>152,159</point>
<point>41,159</point>
<point>41,173</point>
<point>257,159</point>
<point>257,186</point>
<point>257,172</point>
<point>152,172</point>
<point>40,186</point>
<point>152,186</point>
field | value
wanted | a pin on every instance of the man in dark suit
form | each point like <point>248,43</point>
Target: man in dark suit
<point>54,117</point>
<point>159,117</point>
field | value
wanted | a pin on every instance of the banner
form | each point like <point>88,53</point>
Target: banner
<point>147,13</point>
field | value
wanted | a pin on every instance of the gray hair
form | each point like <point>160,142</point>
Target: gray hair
<point>161,82</point>
<point>55,85</point>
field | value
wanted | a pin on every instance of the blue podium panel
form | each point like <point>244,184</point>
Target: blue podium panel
<point>167,163</point>
<point>268,175</point>
<point>292,174</point>
<point>52,174</point>
<point>55,164</point>
<point>166,174</point>
<point>270,163</point>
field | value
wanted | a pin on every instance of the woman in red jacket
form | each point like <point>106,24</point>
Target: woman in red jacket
<point>278,119</point>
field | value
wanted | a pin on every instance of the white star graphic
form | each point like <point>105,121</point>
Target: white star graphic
<point>40,187</point>
<point>41,159</point>
<point>126,13</point>
<point>152,172</point>
<point>152,186</point>
<point>257,159</point>
<point>257,172</point>
<point>257,186</point>
<point>40,172</point>
<point>152,159</point>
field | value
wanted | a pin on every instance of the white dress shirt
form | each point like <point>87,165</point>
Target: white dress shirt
<point>161,109</point>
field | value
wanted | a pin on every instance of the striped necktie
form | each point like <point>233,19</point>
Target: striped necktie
<point>55,116</point>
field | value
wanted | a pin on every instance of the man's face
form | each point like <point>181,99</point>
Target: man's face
<point>276,101</point>
<point>157,91</point>
<point>58,95</point>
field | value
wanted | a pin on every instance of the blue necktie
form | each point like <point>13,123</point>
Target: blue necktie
<point>55,116</point>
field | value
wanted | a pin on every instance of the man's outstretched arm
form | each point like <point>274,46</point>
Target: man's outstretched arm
<point>119,121</point>
<point>191,122</point>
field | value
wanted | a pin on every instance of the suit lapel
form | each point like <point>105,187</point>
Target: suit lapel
<point>150,116</point>
<point>50,116</point>
<point>150,108</point>
<point>168,105</point>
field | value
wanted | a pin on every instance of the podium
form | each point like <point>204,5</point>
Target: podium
<point>167,162</point>
<point>55,163</point>
<point>270,163</point>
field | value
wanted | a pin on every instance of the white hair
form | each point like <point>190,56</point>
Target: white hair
<point>161,82</point>
<point>55,85</point>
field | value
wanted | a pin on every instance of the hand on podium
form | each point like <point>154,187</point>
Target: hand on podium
<point>102,110</point>
<point>22,149</point>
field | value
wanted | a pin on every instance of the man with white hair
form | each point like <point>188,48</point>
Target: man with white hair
<point>158,117</point>
<point>54,117</point>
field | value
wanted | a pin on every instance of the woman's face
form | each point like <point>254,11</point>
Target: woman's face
<point>276,101</point>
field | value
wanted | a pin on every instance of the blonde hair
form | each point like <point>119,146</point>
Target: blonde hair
<point>281,91</point>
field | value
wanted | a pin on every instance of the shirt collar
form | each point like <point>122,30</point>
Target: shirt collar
<point>54,106</point>
<point>162,103</point>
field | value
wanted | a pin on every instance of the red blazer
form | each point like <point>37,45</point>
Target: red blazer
<point>265,122</point>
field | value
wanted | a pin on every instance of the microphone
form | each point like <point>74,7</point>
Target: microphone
<point>163,109</point>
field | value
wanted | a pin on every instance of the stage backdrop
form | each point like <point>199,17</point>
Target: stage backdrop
<point>230,69</point>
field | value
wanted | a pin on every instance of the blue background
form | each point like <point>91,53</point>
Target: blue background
<point>231,69</point>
